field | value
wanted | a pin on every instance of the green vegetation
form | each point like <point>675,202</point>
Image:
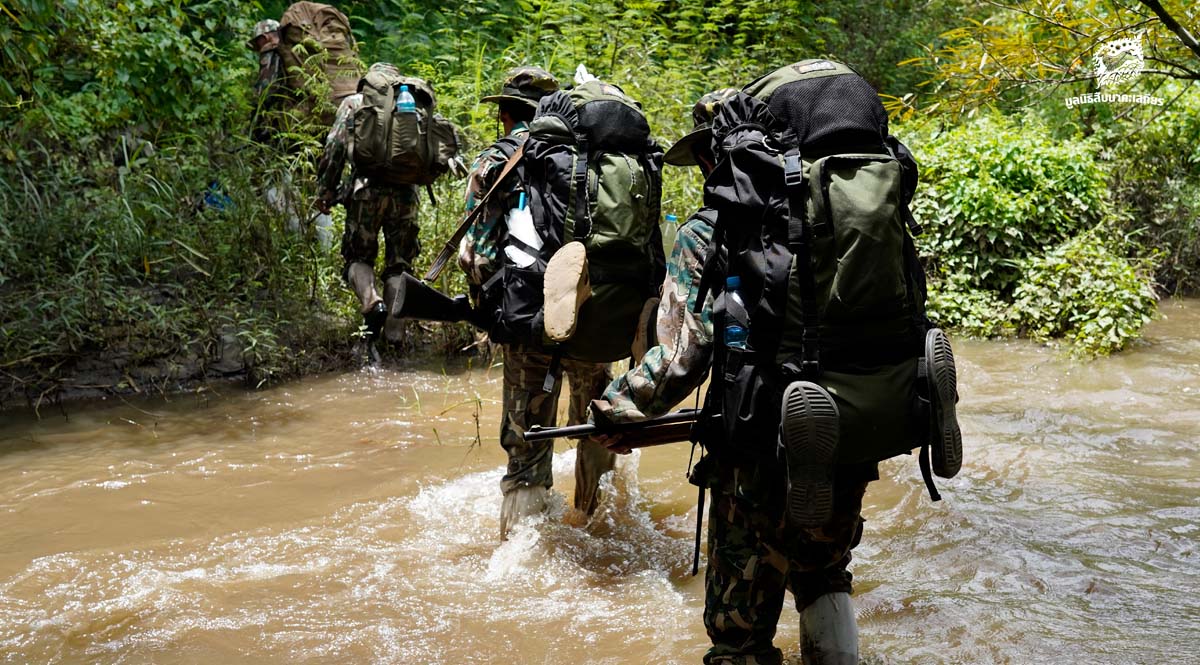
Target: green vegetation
<point>117,117</point>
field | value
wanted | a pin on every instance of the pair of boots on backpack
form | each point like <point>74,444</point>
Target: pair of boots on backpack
<point>808,433</point>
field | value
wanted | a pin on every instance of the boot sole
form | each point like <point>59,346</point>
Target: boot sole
<point>943,395</point>
<point>808,431</point>
<point>565,290</point>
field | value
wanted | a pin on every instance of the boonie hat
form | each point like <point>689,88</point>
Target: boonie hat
<point>706,107</point>
<point>526,85</point>
<point>261,28</point>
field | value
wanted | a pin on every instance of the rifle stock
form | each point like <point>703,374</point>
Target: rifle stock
<point>670,428</point>
<point>417,300</point>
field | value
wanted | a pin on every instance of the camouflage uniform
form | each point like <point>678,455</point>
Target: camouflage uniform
<point>752,556</point>
<point>478,249</point>
<point>269,95</point>
<point>524,402</point>
<point>369,206</point>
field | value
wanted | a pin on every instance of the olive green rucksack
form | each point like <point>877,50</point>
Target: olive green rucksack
<point>811,199</point>
<point>400,148</point>
<point>592,173</point>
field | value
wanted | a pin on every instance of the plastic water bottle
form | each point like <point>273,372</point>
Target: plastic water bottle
<point>735,329</point>
<point>669,229</point>
<point>405,102</point>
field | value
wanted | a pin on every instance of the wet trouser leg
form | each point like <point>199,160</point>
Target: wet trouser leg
<point>753,557</point>
<point>525,405</point>
<point>592,460</point>
<point>392,209</point>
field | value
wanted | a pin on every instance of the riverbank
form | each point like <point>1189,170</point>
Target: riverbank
<point>222,358</point>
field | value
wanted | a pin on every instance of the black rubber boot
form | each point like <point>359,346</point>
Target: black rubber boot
<point>808,432</point>
<point>946,437</point>
<point>374,320</point>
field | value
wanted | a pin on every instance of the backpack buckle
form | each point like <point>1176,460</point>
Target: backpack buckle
<point>793,169</point>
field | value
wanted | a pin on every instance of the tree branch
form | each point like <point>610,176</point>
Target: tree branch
<point>1169,21</point>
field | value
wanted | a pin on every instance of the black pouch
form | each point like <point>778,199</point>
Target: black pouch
<point>521,304</point>
<point>749,406</point>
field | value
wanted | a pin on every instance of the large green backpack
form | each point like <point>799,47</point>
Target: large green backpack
<point>395,147</point>
<point>811,199</point>
<point>592,173</point>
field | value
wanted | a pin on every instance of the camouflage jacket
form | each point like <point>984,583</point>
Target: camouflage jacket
<point>269,98</point>
<point>678,364</point>
<point>478,249</point>
<point>332,183</point>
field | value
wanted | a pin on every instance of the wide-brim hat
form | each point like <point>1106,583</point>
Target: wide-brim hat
<point>526,85</point>
<point>682,153</point>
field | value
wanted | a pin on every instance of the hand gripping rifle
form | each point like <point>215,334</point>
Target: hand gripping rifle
<point>672,427</point>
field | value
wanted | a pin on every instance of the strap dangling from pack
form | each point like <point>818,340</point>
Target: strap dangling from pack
<point>927,474</point>
<point>699,528</point>
<point>926,467</point>
<point>583,223</point>
<point>799,241</point>
<point>432,198</point>
<point>553,371</point>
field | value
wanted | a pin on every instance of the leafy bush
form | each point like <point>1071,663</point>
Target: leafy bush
<point>995,192</point>
<point>1084,292</point>
<point>954,303</point>
<point>1012,217</point>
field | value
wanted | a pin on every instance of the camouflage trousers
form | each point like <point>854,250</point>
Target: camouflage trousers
<point>753,557</point>
<point>392,209</point>
<point>530,464</point>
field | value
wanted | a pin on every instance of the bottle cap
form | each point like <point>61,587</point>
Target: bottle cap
<point>672,218</point>
<point>403,88</point>
<point>733,282</point>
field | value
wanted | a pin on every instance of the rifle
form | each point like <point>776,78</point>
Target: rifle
<point>417,300</point>
<point>669,428</point>
<point>451,245</point>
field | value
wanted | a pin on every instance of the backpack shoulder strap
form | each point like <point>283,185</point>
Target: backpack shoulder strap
<point>452,243</point>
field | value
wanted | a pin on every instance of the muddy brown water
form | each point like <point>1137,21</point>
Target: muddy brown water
<point>353,519</point>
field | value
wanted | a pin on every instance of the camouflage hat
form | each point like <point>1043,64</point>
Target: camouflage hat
<point>680,154</point>
<point>525,84</point>
<point>261,28</point>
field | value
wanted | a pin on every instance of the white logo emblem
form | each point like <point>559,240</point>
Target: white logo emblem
<point>1118,61</point>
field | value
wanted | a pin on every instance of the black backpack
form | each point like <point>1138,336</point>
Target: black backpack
<point>592,173</point>
<point>811,199</point>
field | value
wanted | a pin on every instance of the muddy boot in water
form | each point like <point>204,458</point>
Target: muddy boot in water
<point>829,631</point>
<point>808,434</point>
<point>946,437</point>
<point>565,289</point>
<point>521,502</point>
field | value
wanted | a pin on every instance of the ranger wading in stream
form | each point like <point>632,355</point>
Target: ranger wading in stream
<point>798,285</point>
<point>393,141</point>
<point>561,261</point>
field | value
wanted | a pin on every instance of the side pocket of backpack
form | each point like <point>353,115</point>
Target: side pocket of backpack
<point>521,303</point>
<point>443,144</point>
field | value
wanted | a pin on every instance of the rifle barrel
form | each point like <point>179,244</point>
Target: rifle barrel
<point>539,433</point>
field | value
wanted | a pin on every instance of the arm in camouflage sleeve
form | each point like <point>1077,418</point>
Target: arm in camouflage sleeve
<point>477,250</point>
<point>338,144</point>
<point>673,369</point>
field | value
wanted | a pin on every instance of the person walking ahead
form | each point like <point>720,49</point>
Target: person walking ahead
<point>371,206</point>
<point>796,417</point>
<point>525,402</point>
